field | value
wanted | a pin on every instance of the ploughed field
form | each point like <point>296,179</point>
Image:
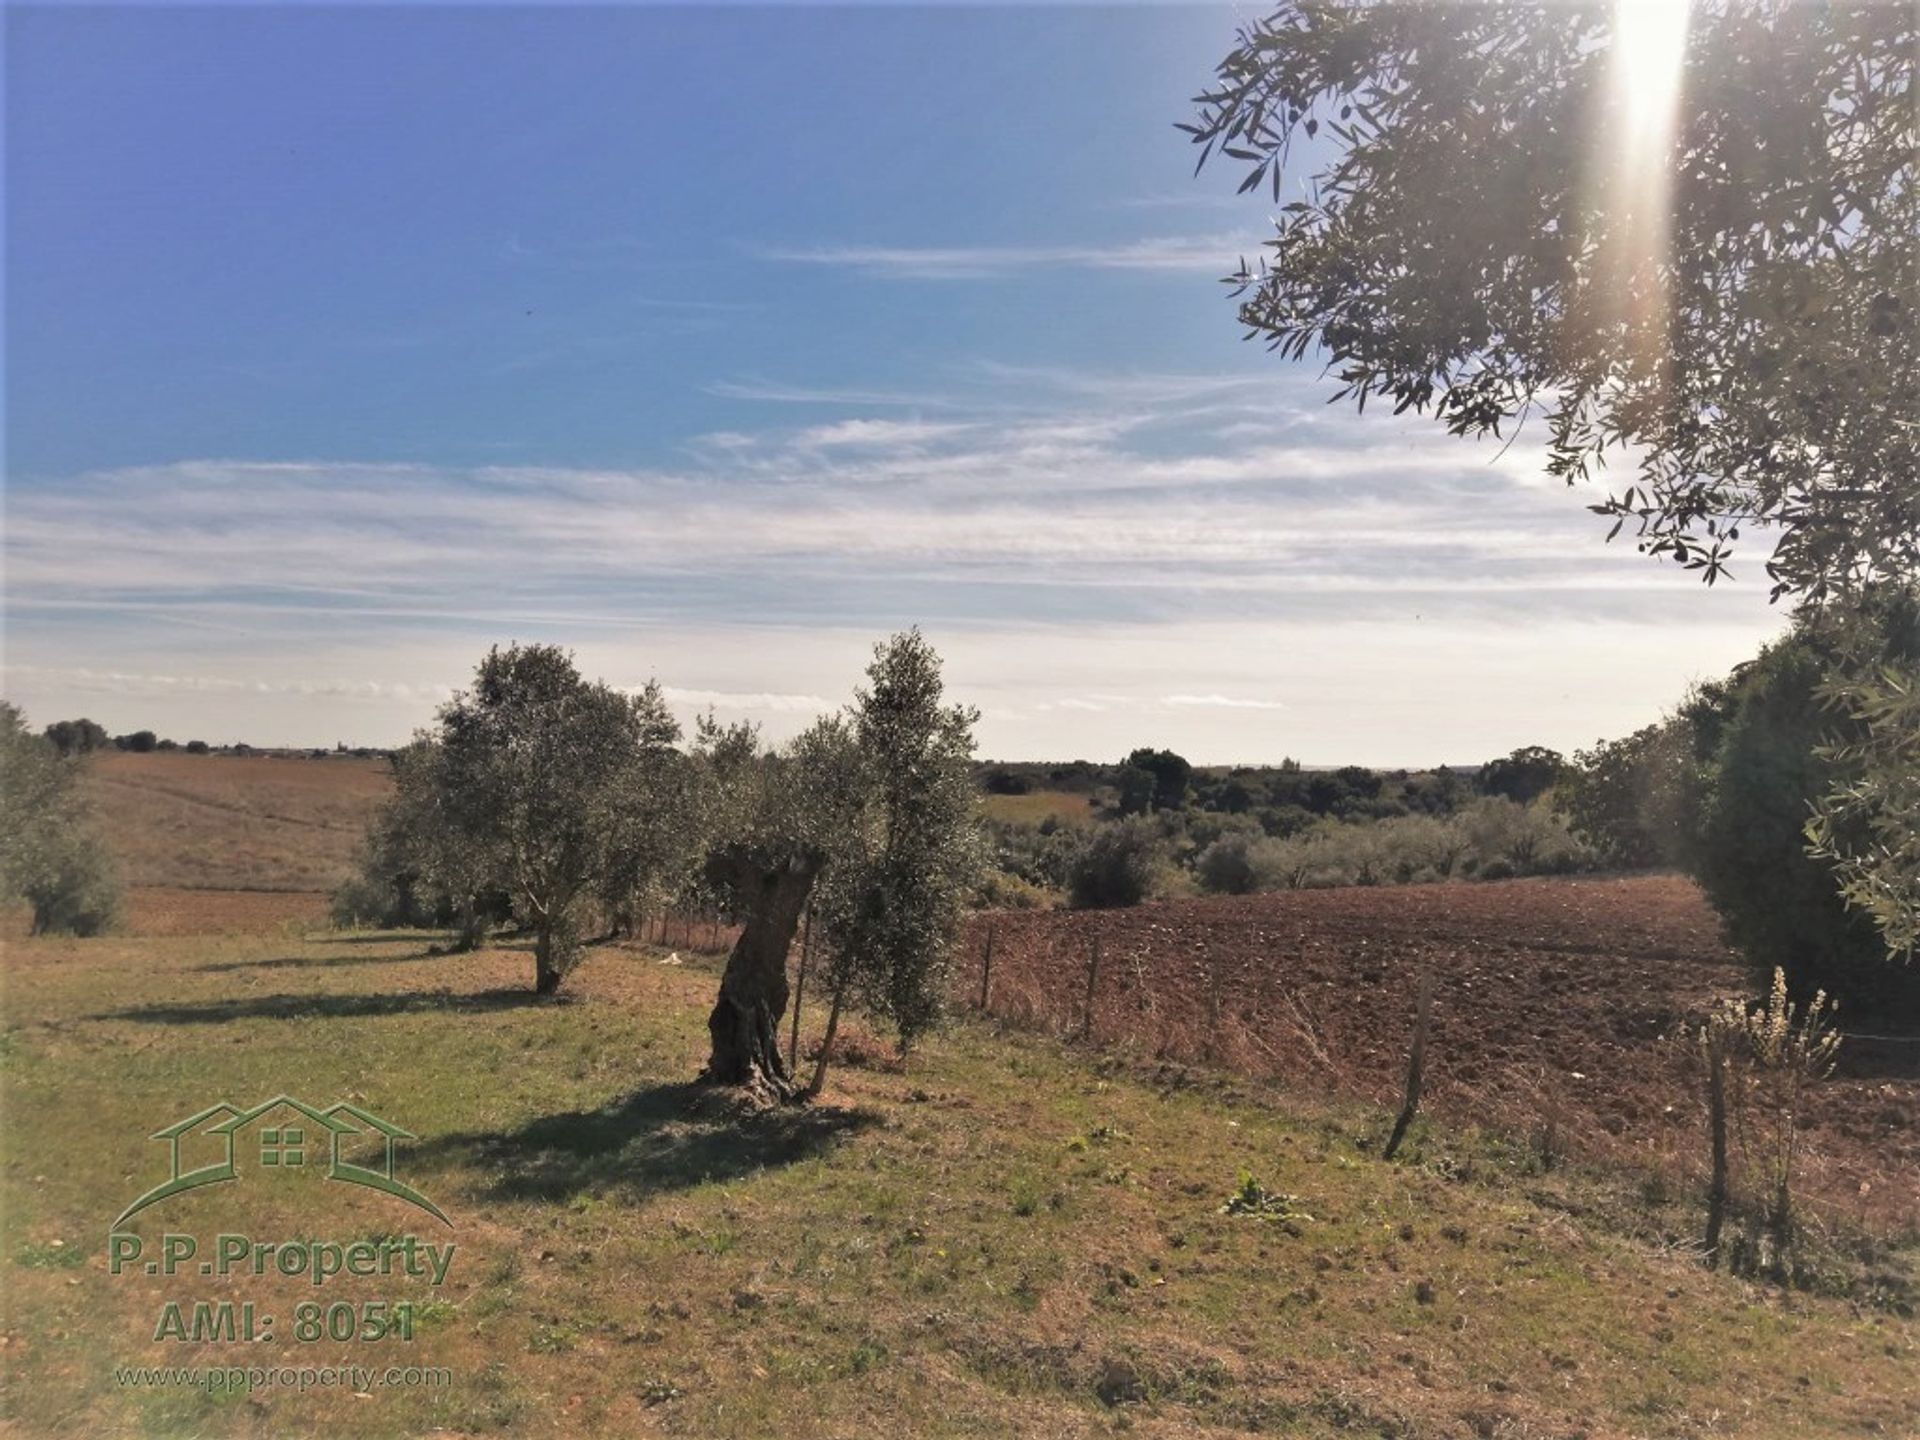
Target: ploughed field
<point>235,822</point>
<point>1553,1001</point>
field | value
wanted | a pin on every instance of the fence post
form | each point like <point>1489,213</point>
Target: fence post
<point>1213,1005</point>
<point>1093,979</point>
<point>986,968</point>
<point>1416,1064</point>
<point>800,992</point>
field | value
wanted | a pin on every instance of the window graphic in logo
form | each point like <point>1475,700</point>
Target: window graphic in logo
<point>277,1135</point>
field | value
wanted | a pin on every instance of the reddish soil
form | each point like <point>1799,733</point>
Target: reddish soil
<point>1551,998</point>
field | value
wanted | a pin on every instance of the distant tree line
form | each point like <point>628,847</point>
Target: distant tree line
<point>1166,826</point>
<point>83,737</point>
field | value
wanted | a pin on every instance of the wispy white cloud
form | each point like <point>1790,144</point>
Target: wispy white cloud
<point>757,702</point>
<point>116,682</point>
<point>1108,558</point>
<point>777,392</point>
<point>1214,254</point>
<point>1220,702</point>
<point>874,434</point>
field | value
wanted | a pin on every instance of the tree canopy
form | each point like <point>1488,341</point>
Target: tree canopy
<point>1491,231</point>
<point>533,764</point>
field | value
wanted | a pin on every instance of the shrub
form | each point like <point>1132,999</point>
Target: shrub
<point>1231,864</point>
<point>1529,839</point>
<point>1418,846</point>
<point>1782,907</point>
<point>1001,891</point>
<point>50,855</point>
<point>78,890</point>
<point>1117,865</point>
<point>196,747</point>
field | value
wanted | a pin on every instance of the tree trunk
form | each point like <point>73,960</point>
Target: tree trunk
<point>745,1023</point>
<point>546,972</point>
<point>471,931</point>
<point>1717,1186</point>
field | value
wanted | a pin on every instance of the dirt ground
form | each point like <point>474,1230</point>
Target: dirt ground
<point>1552,1002</point>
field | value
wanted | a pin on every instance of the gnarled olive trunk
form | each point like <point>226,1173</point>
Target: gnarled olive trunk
<point>771,893</point>
<point>552,954</point>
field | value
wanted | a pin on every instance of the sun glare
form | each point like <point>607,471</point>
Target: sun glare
<point>1645,68</point>
<point>1649,54</point>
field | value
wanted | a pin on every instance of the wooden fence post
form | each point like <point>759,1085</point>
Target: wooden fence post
<point>1093,979</point>
<point>986,968</point>
<point>800,992</point>
<point>1416,1064</point>
<point>1213,1005</point>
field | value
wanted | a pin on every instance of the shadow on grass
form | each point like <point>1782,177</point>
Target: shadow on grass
<point>333,1007</point>
<point>662,1138</point>
<point>379,937</point>
<point>320,962</point>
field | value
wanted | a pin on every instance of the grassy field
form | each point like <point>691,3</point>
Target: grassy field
<point>233,822</point>
<point>1011,1236</point>
<point>1039,805</point>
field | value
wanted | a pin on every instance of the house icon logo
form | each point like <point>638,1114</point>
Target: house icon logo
<point>278,1135</point>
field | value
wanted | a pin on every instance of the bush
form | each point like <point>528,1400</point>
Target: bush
<point>77,892</point>
<point>196,747</point>
<point>1117,865</point>
<point>1782,907</point>
<point>50,856</point>
<point>371,900</point>
<point>1001,891</point>
<point>1231,865</point>
<point>1420,847</point>
<point>1637,800</point>
<point>1527,839</point>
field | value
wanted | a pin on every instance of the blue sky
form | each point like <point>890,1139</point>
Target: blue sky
<point>715,343</point>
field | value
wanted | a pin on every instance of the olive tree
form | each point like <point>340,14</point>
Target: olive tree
<point>531,763</point>
<point>778,820</point>
<point>894,903</point>
<point>652,837</point>
<point>870,817</point>
<point>420,864</point>
<point>51,857</point>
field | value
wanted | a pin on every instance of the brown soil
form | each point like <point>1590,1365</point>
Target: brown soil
<point>1552,1001</point>
<point>258,822</point>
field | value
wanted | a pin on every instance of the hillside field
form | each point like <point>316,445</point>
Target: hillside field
<point>1019,1230</point>
<point>1012,1235</point>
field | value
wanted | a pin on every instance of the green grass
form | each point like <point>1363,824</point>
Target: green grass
<point>1012,1237</point>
